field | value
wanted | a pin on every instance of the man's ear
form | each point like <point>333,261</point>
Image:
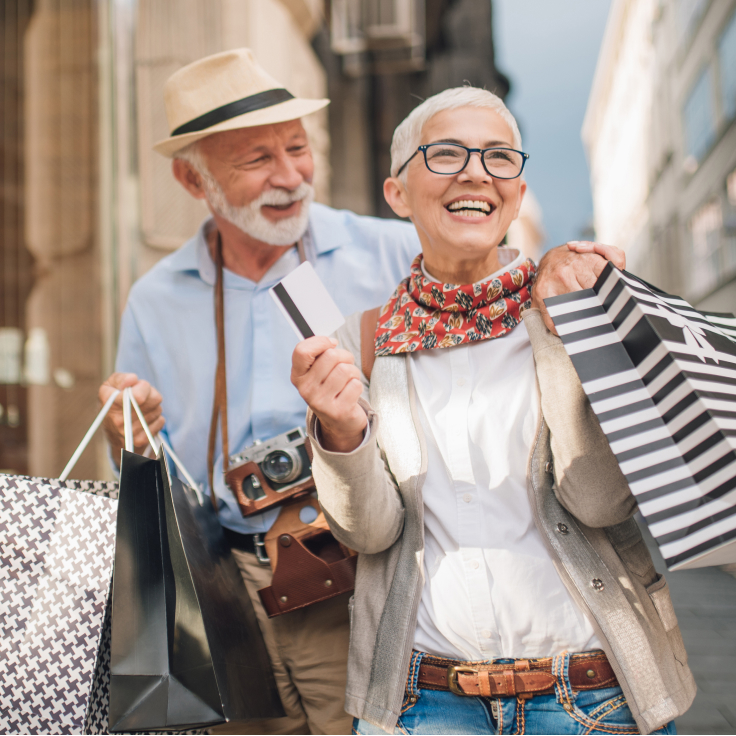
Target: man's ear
<point>186,175</point>
<point>394,192</point>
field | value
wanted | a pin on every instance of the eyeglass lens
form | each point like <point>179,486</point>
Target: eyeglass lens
<point>448,158</point>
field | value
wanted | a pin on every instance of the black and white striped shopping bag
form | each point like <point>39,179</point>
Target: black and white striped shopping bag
<point>661,378</point>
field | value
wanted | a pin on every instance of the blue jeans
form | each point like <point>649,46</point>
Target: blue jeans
<point>566,711</point>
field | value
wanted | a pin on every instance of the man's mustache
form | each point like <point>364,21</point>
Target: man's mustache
<point>284,196</point>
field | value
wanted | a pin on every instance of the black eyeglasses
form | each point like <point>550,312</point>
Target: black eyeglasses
<point>452,158</point>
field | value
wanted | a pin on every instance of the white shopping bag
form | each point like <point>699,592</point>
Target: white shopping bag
<point>661,378</point>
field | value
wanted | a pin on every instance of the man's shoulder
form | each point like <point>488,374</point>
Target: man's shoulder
<point>166,271</point>
<point>342,227</point>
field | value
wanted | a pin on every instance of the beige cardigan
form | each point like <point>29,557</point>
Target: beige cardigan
<point>582,506</point>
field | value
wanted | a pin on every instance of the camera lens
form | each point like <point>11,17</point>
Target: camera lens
<point>281,466</point>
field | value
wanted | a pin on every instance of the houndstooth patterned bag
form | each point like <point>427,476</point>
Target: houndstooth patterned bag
<point>57,547</point>
<point>98,705</point>
<point>57,543</point>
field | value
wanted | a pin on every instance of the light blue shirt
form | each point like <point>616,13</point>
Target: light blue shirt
<point>167,336</point>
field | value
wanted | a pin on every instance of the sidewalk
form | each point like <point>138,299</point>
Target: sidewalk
<point>705,602</point>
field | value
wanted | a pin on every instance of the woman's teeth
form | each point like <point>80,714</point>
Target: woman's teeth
<point>470,208</point>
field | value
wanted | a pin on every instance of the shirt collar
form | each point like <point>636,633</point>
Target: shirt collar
<point>325,234</point>
<point>327,229</point>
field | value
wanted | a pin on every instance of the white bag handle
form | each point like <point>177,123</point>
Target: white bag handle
<point>128,400</point>
<point>179,464</point>
<point>87,437</point>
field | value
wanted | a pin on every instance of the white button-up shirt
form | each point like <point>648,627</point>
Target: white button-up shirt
<point>491,589</point>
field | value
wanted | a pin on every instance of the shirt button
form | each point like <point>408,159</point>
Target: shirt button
<point>486,634</point>
<point>467,498</point>
<point>475,564</point>
<point>460,381</point>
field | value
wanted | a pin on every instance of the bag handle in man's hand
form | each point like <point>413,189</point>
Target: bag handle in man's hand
<point>128,402</point>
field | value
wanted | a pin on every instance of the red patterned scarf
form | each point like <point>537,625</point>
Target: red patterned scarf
<point>423,314</point>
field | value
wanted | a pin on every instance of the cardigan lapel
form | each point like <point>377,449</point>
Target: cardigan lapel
<point>402,440</point>
<point>400,435</point>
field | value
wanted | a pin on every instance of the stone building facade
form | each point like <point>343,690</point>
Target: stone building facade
<point>87,207</point>
<point>660,131</point>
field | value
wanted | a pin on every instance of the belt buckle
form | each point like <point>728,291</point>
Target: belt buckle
<point>452,682</point>
<point>260,548</point>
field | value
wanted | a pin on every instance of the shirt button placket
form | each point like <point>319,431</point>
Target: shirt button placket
<point>469,517</point>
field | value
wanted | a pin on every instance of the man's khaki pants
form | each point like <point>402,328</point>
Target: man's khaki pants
<point>309,653</point>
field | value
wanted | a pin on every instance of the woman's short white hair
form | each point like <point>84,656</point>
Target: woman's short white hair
<point>407,135</point>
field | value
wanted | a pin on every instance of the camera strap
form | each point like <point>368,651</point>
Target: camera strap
<point>219,407</point>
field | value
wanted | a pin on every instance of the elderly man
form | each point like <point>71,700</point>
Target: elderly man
<point>503,585</point>
<point>237,142</point>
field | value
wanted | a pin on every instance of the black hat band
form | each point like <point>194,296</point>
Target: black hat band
<point>233,109</point>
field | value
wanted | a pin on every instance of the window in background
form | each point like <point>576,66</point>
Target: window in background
<point>727,68</point>
<point>699,117</point>
<point>705,230</point>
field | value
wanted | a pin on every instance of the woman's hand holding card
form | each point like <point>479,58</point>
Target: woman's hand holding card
<point>329,381</point>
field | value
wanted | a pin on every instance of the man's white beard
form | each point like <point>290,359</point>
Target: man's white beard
<point>251,221</point>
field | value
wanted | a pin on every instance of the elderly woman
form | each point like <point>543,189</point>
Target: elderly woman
<point>502,584</point>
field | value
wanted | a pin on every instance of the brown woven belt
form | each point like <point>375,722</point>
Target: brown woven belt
<point>522,678</point>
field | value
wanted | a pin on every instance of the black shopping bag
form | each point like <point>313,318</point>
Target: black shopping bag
<point>186,648</point>
<point>661,378</point>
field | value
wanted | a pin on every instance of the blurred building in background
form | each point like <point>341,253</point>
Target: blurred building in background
<point>660,132</point>
<point>87,207</point>
<point>383,57</point>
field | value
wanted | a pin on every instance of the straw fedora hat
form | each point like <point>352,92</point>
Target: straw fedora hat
<point>225,91</point>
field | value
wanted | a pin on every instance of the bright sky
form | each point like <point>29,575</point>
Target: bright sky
<point>548,49</point>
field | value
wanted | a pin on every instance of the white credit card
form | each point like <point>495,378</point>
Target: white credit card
<point>306,304</point>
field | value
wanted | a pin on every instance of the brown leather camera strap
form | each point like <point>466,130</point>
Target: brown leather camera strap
<point>219,407</point>
<point>368,325</point>
<point>309,564</point>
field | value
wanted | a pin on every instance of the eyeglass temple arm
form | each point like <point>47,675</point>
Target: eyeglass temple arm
<point>406,163</point>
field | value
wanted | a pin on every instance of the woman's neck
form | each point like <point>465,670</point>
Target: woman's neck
<point>465,271</point>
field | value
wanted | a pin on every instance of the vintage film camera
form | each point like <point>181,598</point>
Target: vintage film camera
<point>267,473</point>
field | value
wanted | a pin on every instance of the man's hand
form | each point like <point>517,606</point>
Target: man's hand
<point>328,380</point>
<point>571,267</point>
<point>148,399</point>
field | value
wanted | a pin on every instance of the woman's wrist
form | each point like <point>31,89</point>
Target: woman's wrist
<point>340,439</point>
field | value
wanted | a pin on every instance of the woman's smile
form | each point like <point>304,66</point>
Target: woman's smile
<point>470,206</point>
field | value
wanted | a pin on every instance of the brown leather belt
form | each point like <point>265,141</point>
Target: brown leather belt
<point>522,678</point>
